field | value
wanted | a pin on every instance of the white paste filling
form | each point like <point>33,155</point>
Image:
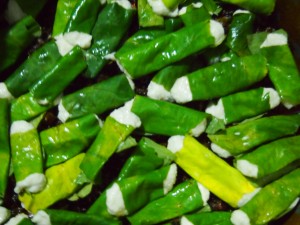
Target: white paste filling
<point>205,194</point>
<point>17,219</point>
<point>4,214</point>
<point>115,202</point>
<point>274,39</point>
<point>63,114</point>
<point>220,151</point>
<point>110,56</point>
<point>199,129</point>
<point>247,168</point>
<point>41,218</point>
<point>123,3</point>
<point>33,183</point>
<point>185,221</point>
<point>247,197</point>
<point>181,90</point>
<point>66,42</point>
<point>216,110</point>
<point>182,11</point>
<point>20,126</point>
<point>159,8</point>
<point>239,217</point>
<point>4,92</point>
<point>175,143</point>
<point>170,179</point>
<point>158,91</point>
<point>274,98</point>
<point>240,11</point>
<point>125,116</point>
<point>294,204</point>
<point>130,81</point>
<point>217,31</point>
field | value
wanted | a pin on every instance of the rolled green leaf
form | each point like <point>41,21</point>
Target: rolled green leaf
<point>97,98</point>
<point>146,16</point>
<point>282,192</point>
<point>283,70</point>
<point>26,107</point>
<point>65,217</point>
<point>140,37</point>
<point>60,185</point>
<point>240,26</point>
<point>260,6</point>
<point>186,197</point>
<point>173,24</point>
<point>44,92</point>
<point>194,13</point>
<point>147,157</point>
<point>84,16</point>
<point>248,135</point>
<point>27,158</point>
<point>207,218</point>
<point>244,105</point>
<point>144,188</point>
<point>31,70</point>
<point>220,79</point>
<point>63,14</point>
<point>215,174</point>
<point>271,160</point>
<point>31,7</point>
<point>16,40</point>
<point>116,128</point>
<point>170,48</point>
<point>107,35</point>
<point>165,118</point>
<point>162,82</point>
<point>4,147</point>
<point>66,140</point>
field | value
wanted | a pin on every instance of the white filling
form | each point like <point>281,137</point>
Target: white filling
<point>63,114</point>
<point>4,214</point>
<point>199,129</point>
<point>274,98</point>
<point>110,56</point>
<point>239,217</point>
<point>204,193</point>
<point>159,8</point>
<point>274,40</point>
<point>13,12</point>
<point>181,90</point>
<point>115,202</point>
<point>41,218</point>
<point>182,11</point>
<point>102,2</point>
<point>158,91</point>
<point>122,68</point>
<point>247,168</point>
<point>63,45</point>
<point>185,221</point>
<point>294,203</point>
<point>170,179</point>
<point>20,126</point>
<point>247,197</point>
<point>175,143</point>
<point>217,31</point>
<point>240,11</point>
<point>216,110</point>
<point>4,92</point>
<point>287,104</point>
<point>33,183</point>
<point>130,81</point>
<point>225,59</point>
<point>123,3</point>
<point>220,151</point>
<point>125,116</point>
<point>17,219</point>
<point>66,42</point>
<point>197,5</point>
